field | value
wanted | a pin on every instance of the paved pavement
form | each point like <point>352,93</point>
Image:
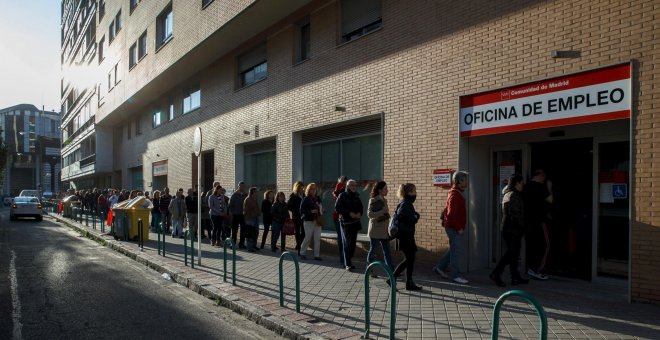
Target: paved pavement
<point>332,299</point>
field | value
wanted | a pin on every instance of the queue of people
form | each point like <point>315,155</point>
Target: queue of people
<point>224,217</point>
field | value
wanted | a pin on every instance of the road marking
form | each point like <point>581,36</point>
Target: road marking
<point>16,303</point>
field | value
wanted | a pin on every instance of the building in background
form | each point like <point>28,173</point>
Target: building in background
<point>86,150</point>
<point>377,89</point>
<point>32,137</point>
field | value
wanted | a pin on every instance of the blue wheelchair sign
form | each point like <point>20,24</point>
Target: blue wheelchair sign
<point>620,191</point>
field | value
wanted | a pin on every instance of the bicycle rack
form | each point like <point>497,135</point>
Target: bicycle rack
<point>543,331</point>
<point>295,261</point>
<point>367,314</point>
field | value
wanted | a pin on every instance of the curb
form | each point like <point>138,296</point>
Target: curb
<point>231,301</point>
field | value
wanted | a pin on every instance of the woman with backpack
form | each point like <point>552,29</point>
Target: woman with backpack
<point>406,218</point>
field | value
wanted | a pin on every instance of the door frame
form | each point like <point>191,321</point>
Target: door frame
<point>597,140</point>
<point>525,162</point>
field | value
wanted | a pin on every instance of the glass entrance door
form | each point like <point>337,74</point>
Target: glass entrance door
<point>613,208</point>
<point>506,161</point>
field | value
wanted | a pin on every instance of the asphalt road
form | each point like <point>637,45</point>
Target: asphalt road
<point>55,284</point>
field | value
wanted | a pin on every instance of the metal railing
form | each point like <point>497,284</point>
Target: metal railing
<point>140,234</point>
<point>543,330</point>
<point>233,260</point>
<point>367,313</point>
<point>295,261</point>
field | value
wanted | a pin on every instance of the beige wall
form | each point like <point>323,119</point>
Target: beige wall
<point>413,70</point>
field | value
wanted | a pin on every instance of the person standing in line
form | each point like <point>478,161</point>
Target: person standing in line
<point>177,209</point>
<point>538,197</point>
<point>266,205</point>
<point>379,218</point>
<point>455,222</point>
<point>295,199</point>
<point>103,204</point>
<point>513,230</point>
<point>236,211</point>
<point>217,209</point>
<point>310,210</point>
<point>165,199</point>
<point>206,217</point>
<point>350,209</point>
<point>407,218</point>
<point>339,188</point>
<point>280,213</point>
<point>156,216</point>
<point>114,199</point>
<point>191,211</point>
<point>251,212</point>
<point>226,220</point>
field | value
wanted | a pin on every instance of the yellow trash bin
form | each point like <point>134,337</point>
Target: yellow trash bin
<point>135,210</point>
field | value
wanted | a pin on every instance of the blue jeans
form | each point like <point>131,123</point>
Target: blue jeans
<point>251,243</point>
<point>452,256</point>
<point>340,242</point>
<point>386,251</point>
<point>277,231</point>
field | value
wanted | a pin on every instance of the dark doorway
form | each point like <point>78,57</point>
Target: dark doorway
<point>569,165</point>
<point>208,170</point>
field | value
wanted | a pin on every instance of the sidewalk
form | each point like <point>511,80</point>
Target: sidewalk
<point>332,299</point>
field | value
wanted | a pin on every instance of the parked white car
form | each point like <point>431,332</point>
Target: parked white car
<point>25,207</point>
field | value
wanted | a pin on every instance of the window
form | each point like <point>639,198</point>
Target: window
<point>157,118</point>
<point>118,22</point>
<point>132,56</point>
<point>101,44</point>
<point>113,77</point>
<point>252,66</point>
<point>191,98</point>
<point>359,18</point>
<point>206,3</point>
<point>111,32</point>
<point>302,40</point>
<point>133,4</point>
<point>164,25</point>
<point>101,9</point>
<point>171,109</point>
<point>142,45</point>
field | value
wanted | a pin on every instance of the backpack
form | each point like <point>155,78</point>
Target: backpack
<point>393,228</point>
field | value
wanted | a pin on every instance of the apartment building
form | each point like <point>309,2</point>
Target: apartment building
<point>402,91</point>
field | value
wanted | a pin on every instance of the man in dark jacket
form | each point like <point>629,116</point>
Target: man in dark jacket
<point>164,205</point>
<point>350,209</point>
<point>237,216</point>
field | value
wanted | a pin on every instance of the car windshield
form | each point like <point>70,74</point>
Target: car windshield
<point>26,200</point>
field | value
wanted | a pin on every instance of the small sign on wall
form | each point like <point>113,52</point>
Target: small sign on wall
<point>442,178</point>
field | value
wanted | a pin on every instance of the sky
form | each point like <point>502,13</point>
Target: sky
<point>30,53</point>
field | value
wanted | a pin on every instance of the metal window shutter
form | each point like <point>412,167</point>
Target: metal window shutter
<point>357,14</point>
<point>342,132</point>
<point>260,147</point>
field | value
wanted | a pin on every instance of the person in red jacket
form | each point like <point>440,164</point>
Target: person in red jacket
<point>455,220</point>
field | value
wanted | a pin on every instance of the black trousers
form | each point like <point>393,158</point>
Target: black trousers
<point>265,235</point>
<point>409,248</point>
<point>300,231</point>
<point>510,258</point>
<point>236,222</point>
<point>538,246</point>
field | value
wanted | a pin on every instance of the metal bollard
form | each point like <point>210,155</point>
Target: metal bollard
<point>367,314</point>
<point>543,328</point>
<point>103,220</point>
<point>140,235</point>
<point>185,249</point>
<point>86,211</point>
<point>295,261</point>
<point>163,244</point>
<point>158,242</point>
<point>233,260</point>
<point>124,224</point>
<point>94,221</point>
<point>192,248</point>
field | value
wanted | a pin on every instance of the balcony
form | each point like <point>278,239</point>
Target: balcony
<point>87,161</point>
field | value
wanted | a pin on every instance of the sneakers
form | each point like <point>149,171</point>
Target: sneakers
<point>537,275</point>
<point>461,280</point>
<point>440,272</point>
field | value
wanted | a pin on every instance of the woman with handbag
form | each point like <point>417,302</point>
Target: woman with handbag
<point>407,218</point>
<point>266,205</point>
<point>251,212</point>
<point>295,199</point>
<point>379,219</point>
<point>311,210</point>
<point>280,214</point>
